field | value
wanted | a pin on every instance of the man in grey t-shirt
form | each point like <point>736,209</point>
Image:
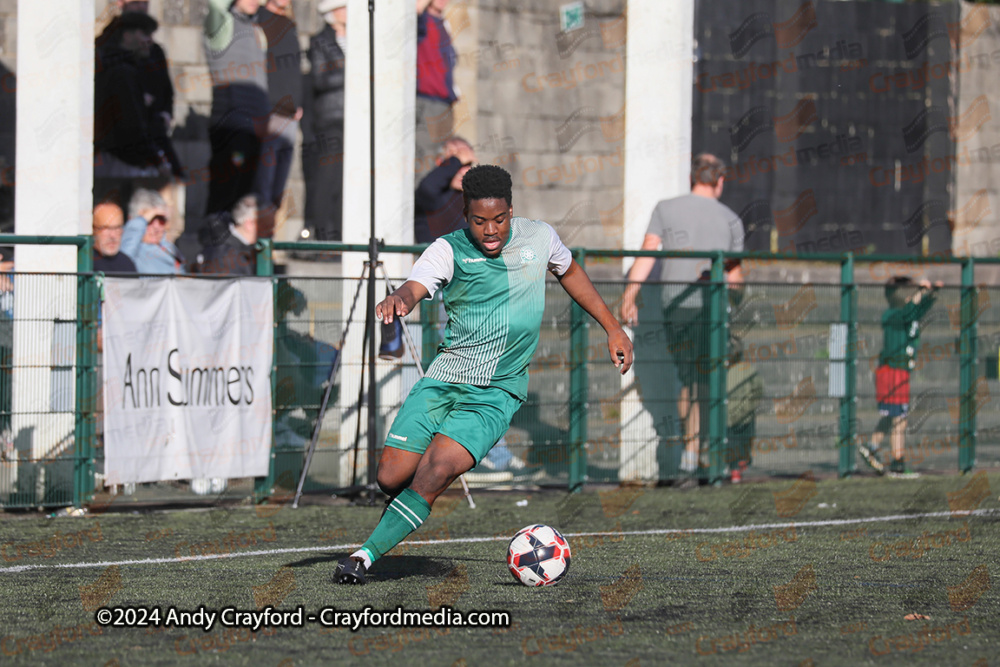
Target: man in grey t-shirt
<point>696,221</point>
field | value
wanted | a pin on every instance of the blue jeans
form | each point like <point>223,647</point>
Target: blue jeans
<point>275,160</point>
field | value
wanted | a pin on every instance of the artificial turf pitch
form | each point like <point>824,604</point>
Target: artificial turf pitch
<point>833,593</point>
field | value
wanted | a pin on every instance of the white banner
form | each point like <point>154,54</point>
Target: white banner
<point>187,378</point>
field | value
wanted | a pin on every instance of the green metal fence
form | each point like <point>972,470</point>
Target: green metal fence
<point>575,426</point>
<point>812,347</point>
<point>47,400</point>
<point>815,347</point>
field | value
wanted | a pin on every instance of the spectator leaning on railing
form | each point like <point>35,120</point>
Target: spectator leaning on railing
<point>908,304</point>
<point>144,239</point>
<point>108,258</point>
<point>108,224</point>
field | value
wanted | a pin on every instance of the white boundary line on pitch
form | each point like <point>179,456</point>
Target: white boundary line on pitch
<point>472,540</point>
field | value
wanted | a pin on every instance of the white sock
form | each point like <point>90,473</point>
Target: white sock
<point>363,555</point>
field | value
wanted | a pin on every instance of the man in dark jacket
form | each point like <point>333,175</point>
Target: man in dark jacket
<point>124,143</point>
<point>109,221</point>
<point>284,87</point>
<point>156,84</point>
<point>323,133</point>
<point>232,253</point>
<point>438,206</point>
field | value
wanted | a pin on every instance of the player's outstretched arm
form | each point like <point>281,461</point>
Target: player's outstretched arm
<point>577,284</point>
<point>401,302</point>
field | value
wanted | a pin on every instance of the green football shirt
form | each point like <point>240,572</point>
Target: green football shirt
<point>901,333</point>
<point>494,304</point>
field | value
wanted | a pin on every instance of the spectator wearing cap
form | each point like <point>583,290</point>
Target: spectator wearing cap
<point>125,145</point>
<point>144,239</point>
<point>157,88</point>
<point>323,131</point>
<point>108,224</point>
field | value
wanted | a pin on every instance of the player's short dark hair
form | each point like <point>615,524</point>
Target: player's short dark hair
<point>487,181</point>
<point>706,169</point>
<point>896,291</point>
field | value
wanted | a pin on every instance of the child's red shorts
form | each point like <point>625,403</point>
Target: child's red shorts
<point>892,385</point>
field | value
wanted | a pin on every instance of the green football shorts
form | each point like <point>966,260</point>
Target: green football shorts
<point>474,417</point>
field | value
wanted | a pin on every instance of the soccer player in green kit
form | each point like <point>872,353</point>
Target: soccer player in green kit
<point>493,280</point>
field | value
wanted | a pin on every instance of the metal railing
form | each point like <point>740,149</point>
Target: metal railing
<point>847,423</point>
<point>581,422</point>
<point>85,349</point>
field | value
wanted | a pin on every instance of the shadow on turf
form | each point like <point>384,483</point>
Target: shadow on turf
<point>392,567</point>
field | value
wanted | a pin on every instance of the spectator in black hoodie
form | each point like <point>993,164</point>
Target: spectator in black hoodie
<point>438,207</point>
<point>157,87</point>
<point>125,145</point>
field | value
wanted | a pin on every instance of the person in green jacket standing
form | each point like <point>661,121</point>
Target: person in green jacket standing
<point>901,338</point>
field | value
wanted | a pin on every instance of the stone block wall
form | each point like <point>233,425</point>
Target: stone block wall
<point>545,105</point>
<point>549,106</point>
<point>550,110</point>
<point>976,122</point>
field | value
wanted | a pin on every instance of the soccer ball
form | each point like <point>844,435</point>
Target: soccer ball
<point>538,556</point>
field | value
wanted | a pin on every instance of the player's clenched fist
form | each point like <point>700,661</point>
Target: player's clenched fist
<point>620,347</point>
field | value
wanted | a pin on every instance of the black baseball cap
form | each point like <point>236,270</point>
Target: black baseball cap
<point>137,20</point>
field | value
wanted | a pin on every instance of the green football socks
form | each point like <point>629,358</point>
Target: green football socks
<point>405,514</point>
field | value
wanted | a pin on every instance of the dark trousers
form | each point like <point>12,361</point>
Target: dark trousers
<point>232,168</point>
<point>323,169</point>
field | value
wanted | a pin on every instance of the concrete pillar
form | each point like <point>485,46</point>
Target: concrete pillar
<point>463,22</point>
<point>54,177</point>
<point>658,87</point>
<point>395,100</point>
<point>55,128</point>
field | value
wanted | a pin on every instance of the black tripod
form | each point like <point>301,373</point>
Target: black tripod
<point>328,389</point>
<point>355,488</point>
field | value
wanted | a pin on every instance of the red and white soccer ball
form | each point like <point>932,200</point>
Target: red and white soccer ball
<point>538,556</point>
